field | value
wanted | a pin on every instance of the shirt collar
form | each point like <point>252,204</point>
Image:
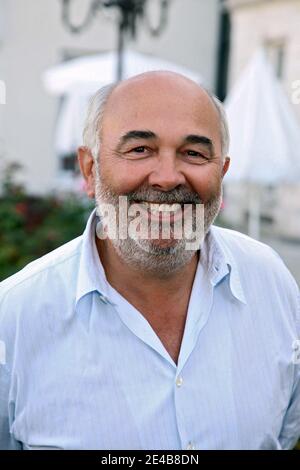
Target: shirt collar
<point>219,262</point>
<point>91,274</point>
<point>216,258</point>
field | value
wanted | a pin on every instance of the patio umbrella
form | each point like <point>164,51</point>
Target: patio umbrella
<point>265,134</point>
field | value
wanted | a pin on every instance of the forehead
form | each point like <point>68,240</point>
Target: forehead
<point>163,104</point>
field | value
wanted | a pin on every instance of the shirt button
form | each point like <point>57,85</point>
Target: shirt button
<point>179,381</point>
<point>190,446</point>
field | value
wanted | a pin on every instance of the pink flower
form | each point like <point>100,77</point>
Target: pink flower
<point>21,208</point>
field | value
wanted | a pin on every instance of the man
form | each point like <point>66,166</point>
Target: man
<point>136,342</point>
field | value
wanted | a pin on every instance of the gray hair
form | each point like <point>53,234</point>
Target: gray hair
<point>94,118</point>
<point>95,113</point>
<point>224,127</point>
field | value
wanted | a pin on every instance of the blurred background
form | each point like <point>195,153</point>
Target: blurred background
<point>55,53</point>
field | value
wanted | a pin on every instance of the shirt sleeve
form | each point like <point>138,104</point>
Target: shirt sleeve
<point>290,432</point>
<point>7,441</point>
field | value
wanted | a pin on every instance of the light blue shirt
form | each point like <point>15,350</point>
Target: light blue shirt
<point>83,369</point>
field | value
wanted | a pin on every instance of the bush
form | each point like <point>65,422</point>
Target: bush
<point>31,226</point>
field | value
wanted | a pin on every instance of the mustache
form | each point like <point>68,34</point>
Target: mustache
<point>180,195</point>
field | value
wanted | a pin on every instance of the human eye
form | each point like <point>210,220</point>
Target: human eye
<point>141,151</point>
<point>193,153</point>
<point>195,156</point>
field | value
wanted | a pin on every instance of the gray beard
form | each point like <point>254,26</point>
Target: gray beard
<point>145,254</point>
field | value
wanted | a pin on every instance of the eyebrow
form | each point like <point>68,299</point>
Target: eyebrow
<point>200,139</point>
<point>136,134</point>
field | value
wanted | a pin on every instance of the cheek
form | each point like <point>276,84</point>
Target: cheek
<point>206,181</point>
<point>124,175</point>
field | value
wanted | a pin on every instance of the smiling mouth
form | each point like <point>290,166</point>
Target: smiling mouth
<point>163,211</point>
<point>164,205</point>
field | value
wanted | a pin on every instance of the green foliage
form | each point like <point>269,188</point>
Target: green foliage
<point>32,226</point>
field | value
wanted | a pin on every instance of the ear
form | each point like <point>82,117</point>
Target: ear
<point>225,166</point>
<point>86,164</point>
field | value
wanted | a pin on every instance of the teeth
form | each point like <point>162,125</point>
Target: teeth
<point>164,208</point>
<point>170,207</point>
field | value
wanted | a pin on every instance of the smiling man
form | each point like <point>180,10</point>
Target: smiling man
<point>119,340</point>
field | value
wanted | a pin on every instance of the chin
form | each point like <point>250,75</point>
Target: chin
<point>164,243</point>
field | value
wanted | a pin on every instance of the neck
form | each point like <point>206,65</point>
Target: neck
<point>127,279</point>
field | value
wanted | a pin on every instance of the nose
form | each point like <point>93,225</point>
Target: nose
<point>166,175</point>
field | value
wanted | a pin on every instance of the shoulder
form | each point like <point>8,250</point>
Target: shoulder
<point>258,264</point>
<point>38,284</point>
<point>56,260</point>
<point>234,240</point>
<point>242,248</point>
